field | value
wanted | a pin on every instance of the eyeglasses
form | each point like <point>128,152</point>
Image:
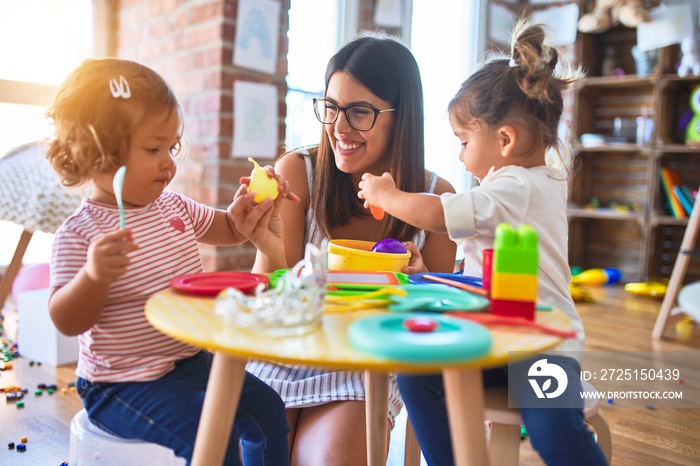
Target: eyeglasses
<point>360,117</point>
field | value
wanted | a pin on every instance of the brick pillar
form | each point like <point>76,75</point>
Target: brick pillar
<point>190,43</point>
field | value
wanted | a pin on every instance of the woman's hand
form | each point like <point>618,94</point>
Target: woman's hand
<point>415,263</point>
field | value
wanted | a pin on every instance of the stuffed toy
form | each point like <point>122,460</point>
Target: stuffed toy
<point>609,13</point>
<point>690,61</point>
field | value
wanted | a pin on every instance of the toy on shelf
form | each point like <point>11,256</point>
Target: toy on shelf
<point>609,13</point>
<point>514,273</point>
<point>597,277</point>
<point>690,59</point>
<point>692,131</point>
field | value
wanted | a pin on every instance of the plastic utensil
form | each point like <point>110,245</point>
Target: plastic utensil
<point>490,319</point>
<point>461,286</point>
<point>117,185</point>
<point>389,245</point>
<point>376,212</point>
<point>419,278</point>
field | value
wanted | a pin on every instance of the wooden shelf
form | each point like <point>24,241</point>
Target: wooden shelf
<point>642,242</point>
<point>604,213</point>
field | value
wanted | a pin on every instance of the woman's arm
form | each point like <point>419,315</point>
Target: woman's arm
<point>293,215</point>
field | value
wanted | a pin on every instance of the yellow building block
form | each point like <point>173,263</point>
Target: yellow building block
<point>514,286</point>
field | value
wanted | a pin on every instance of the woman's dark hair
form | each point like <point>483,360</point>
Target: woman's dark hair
<point>388,69</point>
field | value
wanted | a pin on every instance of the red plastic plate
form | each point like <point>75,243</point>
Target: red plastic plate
<point>211,283</point>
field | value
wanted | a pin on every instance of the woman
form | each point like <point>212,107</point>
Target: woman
<point>372,113</point>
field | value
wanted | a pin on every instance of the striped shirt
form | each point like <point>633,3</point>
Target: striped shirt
<point>301,386</point>
<point>122,346</point>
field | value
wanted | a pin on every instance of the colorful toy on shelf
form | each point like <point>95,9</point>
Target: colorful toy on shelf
<point>514,273</point>
<point>692,131</point>
<point>690,57</point>
<point>262,185</point>
<point>597,277</point>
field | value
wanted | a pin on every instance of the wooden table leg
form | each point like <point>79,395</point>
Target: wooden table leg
<point>376,417</point>
<point>220,403</point>
<point>464,395</point>
<point>15,265</point>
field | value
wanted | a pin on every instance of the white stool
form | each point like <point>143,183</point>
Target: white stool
<point>504,443</point>
<point>89,445</point>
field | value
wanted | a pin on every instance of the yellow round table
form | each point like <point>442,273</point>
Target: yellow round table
<point>191,319</point>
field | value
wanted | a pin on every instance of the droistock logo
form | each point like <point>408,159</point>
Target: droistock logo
<point>541,369</point>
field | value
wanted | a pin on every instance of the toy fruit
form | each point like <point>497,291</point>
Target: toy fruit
<point>376,212</point>
<point>389,245</point>
<point>262,185</point>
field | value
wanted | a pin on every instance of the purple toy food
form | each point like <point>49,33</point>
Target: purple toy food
<point>389,245</point>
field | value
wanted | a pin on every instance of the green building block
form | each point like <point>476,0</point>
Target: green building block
<point>515,251</point>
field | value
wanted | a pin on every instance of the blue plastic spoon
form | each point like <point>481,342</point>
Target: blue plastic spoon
<point>117,185</point>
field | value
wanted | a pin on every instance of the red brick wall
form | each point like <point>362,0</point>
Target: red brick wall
<point>190,43</point>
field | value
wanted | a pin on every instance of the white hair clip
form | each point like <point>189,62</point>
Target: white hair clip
<point>120,88</point>
<point>512,63</point>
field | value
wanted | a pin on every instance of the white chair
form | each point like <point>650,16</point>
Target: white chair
<point>89,445</point>
<point>504,443</point>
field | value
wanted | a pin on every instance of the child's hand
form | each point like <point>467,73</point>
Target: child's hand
<point>260,223</point>
<point>106,257</point>
<point>373,189</point>
<point>415,264</point>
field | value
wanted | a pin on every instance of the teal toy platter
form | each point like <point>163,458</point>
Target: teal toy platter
<point>437,298</point>
<point>386,336</point>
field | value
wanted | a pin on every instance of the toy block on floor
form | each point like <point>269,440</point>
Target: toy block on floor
<point>514,275</point>
<point>37,337</point>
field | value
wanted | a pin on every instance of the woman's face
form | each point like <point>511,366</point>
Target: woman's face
<point>357,152</point>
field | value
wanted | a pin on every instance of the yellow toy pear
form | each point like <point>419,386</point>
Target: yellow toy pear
<point>262,185</point>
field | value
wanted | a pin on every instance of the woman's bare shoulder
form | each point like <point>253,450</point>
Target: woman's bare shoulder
<point>442,185</point>
<point>292,166</point>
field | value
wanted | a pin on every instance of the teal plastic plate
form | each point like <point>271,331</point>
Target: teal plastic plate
<point>436,297</point>
<point>454,339</point>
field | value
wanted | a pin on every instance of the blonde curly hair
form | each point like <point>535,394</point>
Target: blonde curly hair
<point>94,117</point>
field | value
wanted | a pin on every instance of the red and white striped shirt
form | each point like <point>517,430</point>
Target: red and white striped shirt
<point>123,346</point>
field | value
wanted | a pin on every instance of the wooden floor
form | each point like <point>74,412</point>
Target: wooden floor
<point>616,321</point>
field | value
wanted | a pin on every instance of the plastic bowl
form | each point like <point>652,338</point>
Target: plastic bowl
<point>348,254</point>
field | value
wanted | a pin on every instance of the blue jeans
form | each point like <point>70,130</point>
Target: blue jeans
<point>559,435</point>
<point>166,411</point>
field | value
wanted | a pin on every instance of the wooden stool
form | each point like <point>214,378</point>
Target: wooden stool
<point>504,446</point>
